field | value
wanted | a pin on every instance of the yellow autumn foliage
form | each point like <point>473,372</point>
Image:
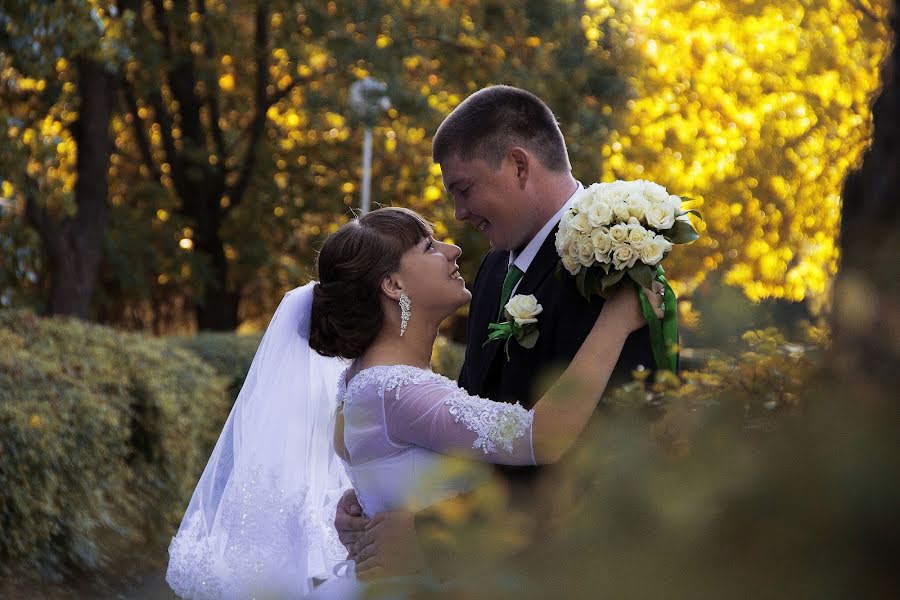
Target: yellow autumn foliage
<point>756,110</point>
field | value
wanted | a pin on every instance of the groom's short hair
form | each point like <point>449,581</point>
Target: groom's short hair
<point>494,119</point>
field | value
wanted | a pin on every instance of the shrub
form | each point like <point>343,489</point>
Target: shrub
<point>102,437</point>
<point>228,353</point>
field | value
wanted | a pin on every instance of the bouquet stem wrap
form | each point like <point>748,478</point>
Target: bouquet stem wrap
<point>663,332</point>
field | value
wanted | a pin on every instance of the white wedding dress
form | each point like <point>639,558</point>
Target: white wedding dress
<point>260,520</point>
<point>405,429</point>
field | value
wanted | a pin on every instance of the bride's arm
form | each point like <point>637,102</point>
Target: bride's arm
<point>444,418</point>
<point>564,410</point>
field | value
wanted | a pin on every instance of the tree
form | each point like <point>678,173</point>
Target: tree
<point>758,111</point>
<point>223,229</point>
<point>68,210</point>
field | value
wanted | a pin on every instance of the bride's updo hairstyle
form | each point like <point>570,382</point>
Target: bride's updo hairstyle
<point>353,261</point>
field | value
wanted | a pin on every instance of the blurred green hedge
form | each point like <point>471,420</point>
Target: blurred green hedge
<point>229,354</point>
<point>102,437</point>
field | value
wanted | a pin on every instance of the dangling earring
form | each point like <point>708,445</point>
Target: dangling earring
<point>405,305</point>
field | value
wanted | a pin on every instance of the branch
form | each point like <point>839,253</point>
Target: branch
<point>212,99</point>
<point>165,127</point>
<point>49,231</point>
<point>159,15</point>
<point>141,135</point>
<point>263,103</point>
<point>154,98</point>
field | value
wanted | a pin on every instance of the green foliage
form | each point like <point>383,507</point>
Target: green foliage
<point>447,357</point>
<point>761,384</point>
<point>102,437</point>
<point>229,354</point>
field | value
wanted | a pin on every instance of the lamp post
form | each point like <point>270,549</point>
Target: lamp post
<point>368,99</point>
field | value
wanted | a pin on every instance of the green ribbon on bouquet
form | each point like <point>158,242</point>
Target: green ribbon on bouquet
<point>663,332</point>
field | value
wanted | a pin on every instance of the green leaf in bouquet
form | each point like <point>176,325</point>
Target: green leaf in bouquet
<point>681,233</point>
<point>607,281</point>
<point>580,281</point>
<point>642,274</point>
<point>529,339</point>
<point>691,211</point>
<point>592,280</point>
<point>560,271</point>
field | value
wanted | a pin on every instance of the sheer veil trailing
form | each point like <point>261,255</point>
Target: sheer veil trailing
<point>260,520</point>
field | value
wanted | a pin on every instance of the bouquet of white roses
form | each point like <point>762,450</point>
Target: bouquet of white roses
<point>626,228</point>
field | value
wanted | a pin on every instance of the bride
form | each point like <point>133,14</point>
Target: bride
<point>340,393</point>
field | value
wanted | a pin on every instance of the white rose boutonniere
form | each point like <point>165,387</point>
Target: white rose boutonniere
<point>521,323</point>
<point>524,309</point>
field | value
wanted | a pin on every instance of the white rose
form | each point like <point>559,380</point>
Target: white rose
<point>562,237</point>
<point>571,264</point>
<point>585,251</point>
<point>581,223</point>
<point>524,309</point>
<point>651,254</point>
<point>637,206</point>
<point>624,257</point>
<point>675,202</point>
<point>661,216</point>
<point>654,250</point>
<point>583,198</point>
<point>637,235</point>
<point>602,244</point>
<point>593,192</point>
<point>620,209</point>
<point>655,193</point>
<point>562,245</point>
<point>616,191</point>
<point>600,213</point>
<point>618,233</point>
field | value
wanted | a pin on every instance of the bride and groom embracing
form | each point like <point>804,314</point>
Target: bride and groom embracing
<point>340,393</point>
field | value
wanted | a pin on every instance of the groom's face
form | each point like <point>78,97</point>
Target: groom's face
<point>490,200</point>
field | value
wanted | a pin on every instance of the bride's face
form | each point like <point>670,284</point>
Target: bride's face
<point>431,279</point>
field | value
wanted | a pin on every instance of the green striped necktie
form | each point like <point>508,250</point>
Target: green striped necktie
<point>513,275</point>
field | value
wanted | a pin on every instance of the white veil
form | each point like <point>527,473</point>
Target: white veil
<point>260,520</point>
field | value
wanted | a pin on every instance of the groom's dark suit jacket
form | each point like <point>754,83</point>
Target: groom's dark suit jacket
<point>565,322</point>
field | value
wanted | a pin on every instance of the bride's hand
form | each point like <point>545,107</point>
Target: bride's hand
<point>624,307</point>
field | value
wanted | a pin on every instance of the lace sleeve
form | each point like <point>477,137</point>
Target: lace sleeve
<point>439,415</point>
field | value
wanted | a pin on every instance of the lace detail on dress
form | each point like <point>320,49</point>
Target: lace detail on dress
<point>389,377</point>
<point>263,526</point>
<point>494,423</point>
<point>190,573</point>
<point>258,519</point>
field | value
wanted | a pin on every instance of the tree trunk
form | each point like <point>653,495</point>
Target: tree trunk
<point>219,309</point>
<point>74,247</point>
<point>866,318</point>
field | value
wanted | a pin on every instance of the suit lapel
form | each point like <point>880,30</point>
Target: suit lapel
<point>486,313</point>
<point>544,264</point>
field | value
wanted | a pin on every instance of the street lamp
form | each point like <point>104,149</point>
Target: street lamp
<point>368,99</point>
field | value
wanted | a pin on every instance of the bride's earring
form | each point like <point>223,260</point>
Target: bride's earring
<point>405,305</point>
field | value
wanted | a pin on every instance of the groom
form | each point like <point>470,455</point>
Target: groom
<point>504,162</point>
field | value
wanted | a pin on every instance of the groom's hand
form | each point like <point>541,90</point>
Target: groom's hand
<point>348,520</point>
<point>388,547</point>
